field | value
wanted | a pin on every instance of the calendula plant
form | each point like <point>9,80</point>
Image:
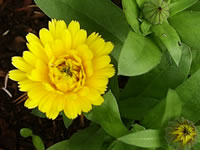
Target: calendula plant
<point>152,100</point>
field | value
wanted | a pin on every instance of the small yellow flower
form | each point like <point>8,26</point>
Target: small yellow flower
<point>181,134</point>
<point>63,70</point>
<point>184,133</point>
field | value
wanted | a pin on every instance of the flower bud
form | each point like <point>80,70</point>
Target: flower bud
<point>156,11</point>
<point>181,134</point>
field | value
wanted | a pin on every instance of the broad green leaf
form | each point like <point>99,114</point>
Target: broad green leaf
<point>138,55</point>
<point>141,3</point>
<point>63,145</point>
<point>91,138</point>
<point>195,7</point>
<point>94,15</point>
<point>131,12</point>
<point>181,5</point>
<point>113,82</point>
<point>107,115</point>
<point>26,132</point>
<point>174,75</point>
<point>188,30</point>
<point>122,146</point>
<point>67,121</point>
<point>152,83</point>
<point>37,142</point>
<point>136,108</point>
<point>147,139</point>
<point>195,61</point>
<point>38,113</point>
<point>189,93</point>
<point>168,35</point>
<point>168,109</point>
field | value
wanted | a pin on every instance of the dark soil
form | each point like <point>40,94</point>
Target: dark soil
<point>17,18</point>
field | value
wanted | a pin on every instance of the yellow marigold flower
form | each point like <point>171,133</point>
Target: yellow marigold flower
<point>63,69</point>
<point>181,134</point>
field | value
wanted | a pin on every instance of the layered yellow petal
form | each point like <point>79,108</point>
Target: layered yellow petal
<point>67,39</point>
<point>84,52</point>
<point>80,38</point>
<point>101,62</point>
<point>98,82</point>
<point>38,50</point>
<point>72,108</point>
<point>17,75</point>
<point>40,72</point>
<point>29,58</point>
<point>74,27</point>
<point>64,70</point>
<point>26,85</point>
<point>95,97</point>
<point>97,46</point>
<point>46,36</point>
<point>92,37</point>
<point>107,71</point>
<point>20,63</point>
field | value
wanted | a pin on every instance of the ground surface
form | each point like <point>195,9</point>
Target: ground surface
<point>17,18</point>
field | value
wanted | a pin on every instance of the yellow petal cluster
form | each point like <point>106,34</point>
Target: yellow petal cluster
<point>64,69</point>
<point>185,133</point>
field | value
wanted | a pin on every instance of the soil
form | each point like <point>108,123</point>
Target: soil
<point>17,18</point>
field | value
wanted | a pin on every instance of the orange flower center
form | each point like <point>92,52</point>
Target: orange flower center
<point>66,73</point>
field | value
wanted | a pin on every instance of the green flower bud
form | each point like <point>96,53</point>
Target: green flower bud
<point>156,11</point>
<point>181,134</point>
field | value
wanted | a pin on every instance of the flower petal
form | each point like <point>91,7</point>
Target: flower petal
<point>74,27</point>
<point>19,63</point>
<point>17,75</point>
<point>101,62</point>
<point>29,58</point>
<point>45,36</point>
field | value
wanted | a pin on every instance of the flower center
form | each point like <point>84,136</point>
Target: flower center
<point>66,73</point>
<point>185,133</point>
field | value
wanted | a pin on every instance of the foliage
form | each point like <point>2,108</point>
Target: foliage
<point>161,62</point>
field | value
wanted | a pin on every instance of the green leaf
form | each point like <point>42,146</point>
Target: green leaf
<point>168,35</point>
<point>138,55</point>
<point>136,108</point>
<point>174,75</point>
<point>113,82</point>
<point>131,12</point>
<point>38,113</point>
<point>188,30</point>
<point>26,132</point>
<point>189,92</point>
<point>122,146</point>
<point>147,139</point>
<point>37,142</point>
<point>145,27</point>
<point>94,15</point>
<point>168,109</point>
<point>91,138</point>
<point>196,147</point>
<point>67,121</point>
<point>63,145</point>
<point>180,5</point>
<point>141,3</point>
<point>137,127</point>
<point>195,7</point>
<point>152,83</point>
<point>107,115</point>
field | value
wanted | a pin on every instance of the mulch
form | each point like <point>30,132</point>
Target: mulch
<point>17,18</point>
